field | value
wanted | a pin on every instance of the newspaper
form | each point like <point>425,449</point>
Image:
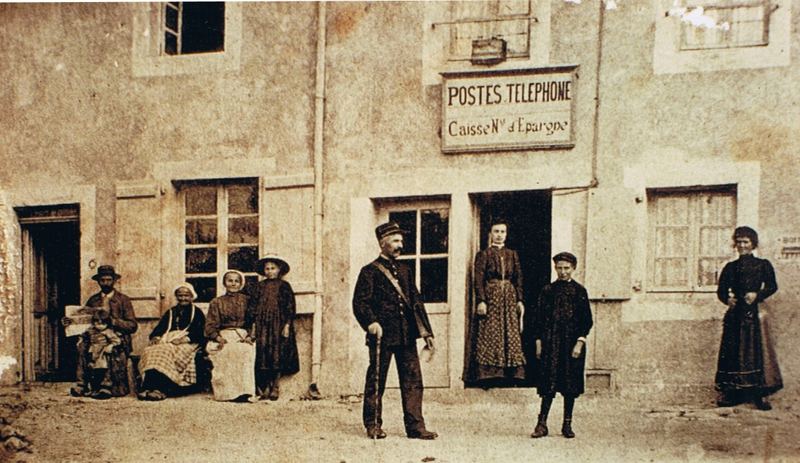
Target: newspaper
<point>81,318</point>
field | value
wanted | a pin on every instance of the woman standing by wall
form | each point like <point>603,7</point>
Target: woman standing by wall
<point>747,369</point>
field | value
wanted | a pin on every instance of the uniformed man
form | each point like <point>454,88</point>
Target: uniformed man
<point>389,308</point>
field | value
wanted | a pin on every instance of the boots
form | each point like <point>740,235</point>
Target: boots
<point>566,429</point>
<point>541,429</point>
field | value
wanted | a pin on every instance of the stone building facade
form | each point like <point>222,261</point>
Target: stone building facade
<point>647,139</point>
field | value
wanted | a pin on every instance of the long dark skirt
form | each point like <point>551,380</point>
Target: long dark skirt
<point>747,366</point>
<point>499,347</point>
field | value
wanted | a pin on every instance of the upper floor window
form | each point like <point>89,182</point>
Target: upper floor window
<point>689,237</point>
<point>724,24</point>
<point>221,232</point>
<point>193,27</point>
<point>509,20</point>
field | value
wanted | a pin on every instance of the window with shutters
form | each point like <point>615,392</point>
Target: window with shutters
<point>221,221</point>
<point>689,237</point>
<point>509,20</point>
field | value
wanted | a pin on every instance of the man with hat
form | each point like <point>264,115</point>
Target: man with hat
<point>123,322</point>
<point>389,308</point>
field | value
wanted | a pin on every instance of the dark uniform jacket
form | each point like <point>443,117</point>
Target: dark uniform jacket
<point>123,319</point>
<point>376,300</point>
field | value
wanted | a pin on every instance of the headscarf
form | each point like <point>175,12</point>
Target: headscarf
<point>187,286</point>
<point>241,275</point>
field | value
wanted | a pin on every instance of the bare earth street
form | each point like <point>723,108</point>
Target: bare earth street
<point>476,426</point>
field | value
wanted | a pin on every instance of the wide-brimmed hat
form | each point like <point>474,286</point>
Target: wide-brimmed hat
<point>271,257</point>
<point>388,228</point>
<point>106,270</point>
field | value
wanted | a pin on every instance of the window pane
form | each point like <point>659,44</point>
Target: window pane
<point>243,258</point>
<point>251,281</point>
<point>243,200</point>
<point>171,18</point>
<point>433,280</point>
<point>205,287</point>
<point>203,27</point>
<point>672,242</point>
<point>243,230</point>
<point>672,211</point>
<point>201,200</point>
<point>708,271</point>
<point>201,231</point>
<point>671,272</point>
<point>408,222</point>
<point>435,227</point>
<point>170,44</point>
<point>202,260</point>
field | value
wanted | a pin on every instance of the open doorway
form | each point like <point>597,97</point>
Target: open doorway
<point>51,280</point>
<point>528,214</point>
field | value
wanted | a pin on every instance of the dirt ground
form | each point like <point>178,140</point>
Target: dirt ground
<point>474,426</point>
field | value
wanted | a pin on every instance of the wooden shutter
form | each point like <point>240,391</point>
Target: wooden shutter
<point>287,220</point>
<point>670,241</point>
<point>610,232</point>
<point>138,230</point>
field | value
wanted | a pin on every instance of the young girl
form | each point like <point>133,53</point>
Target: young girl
<point>229,347</point>
<point>563,320</point>
<point>272,308</point>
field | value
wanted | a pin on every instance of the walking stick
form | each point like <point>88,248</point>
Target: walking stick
<point>377,383</point>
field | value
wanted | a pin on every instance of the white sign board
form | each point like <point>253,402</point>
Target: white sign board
<point>508,110</point>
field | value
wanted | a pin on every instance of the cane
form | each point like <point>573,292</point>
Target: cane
<point>377,382</point>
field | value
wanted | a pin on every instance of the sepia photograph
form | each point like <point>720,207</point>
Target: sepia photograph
<point>400,231</point>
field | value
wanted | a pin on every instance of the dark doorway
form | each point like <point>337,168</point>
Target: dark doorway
<point>528,214</point>
<point>51,280</point>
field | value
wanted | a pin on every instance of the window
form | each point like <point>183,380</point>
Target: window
<point>725,24</point>
<point>221,232</point>
<point>193,27</point>
<point>426,249</point>
<point>503,19</point>
<point>690,237</point>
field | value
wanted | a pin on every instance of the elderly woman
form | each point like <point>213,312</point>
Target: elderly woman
<point>498,290</point>
<point>230,348</point>
<point>169,362</point>
<point>747,369</point>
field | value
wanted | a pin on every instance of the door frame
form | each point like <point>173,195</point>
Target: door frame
<point>85,197</point>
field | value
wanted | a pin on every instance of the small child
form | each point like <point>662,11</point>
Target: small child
<point>101,340</point>
<point>272,308</point>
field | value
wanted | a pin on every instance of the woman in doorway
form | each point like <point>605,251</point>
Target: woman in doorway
<point>169,363</point>
<point>272,307</point>
<point>230,348</point>
<point>747,369</point>
<point>498,290</point>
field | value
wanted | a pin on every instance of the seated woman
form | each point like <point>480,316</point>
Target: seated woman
<point>169,362</point>
<point>230,348</point>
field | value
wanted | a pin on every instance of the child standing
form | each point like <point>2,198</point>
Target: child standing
<point>272,308</point>
<point>562,322</point>
<point>101,340</point>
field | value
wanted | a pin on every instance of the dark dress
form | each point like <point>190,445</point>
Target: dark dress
<point>562,316</point>
<point>746,363</point>
<point>226,311</point>
<point>166,366</point>
<point>498,283</point>
<point>123,322</point>
<point>271,307</point>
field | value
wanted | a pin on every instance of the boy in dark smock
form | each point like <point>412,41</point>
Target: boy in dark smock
<point>563,320</point>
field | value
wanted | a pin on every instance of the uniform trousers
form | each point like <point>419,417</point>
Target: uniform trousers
<point>410,375</point>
